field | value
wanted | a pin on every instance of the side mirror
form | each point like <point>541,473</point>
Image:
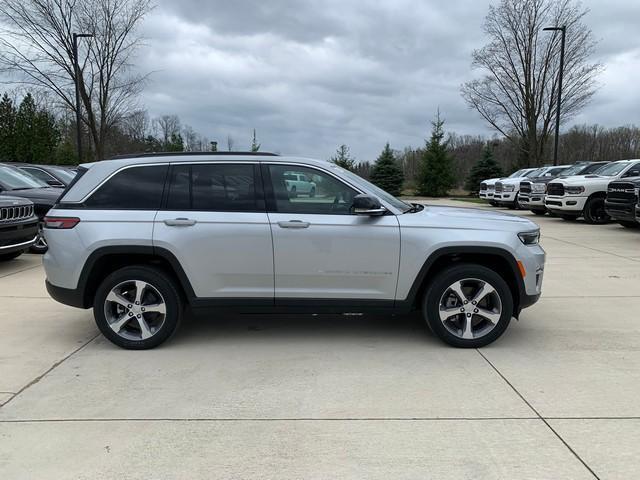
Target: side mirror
<point>54,183</point>
<point>367,205</point>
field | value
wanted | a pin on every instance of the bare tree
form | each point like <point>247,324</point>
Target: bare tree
<point>230,142</point>
<point>518,93</point>
<point>37,45</point>
<point>168,126</point>
<point>136,125</point>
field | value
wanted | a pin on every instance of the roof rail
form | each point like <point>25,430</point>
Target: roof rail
<point>187,154</point>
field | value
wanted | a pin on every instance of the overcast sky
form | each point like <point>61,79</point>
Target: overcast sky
<point>312,75</point>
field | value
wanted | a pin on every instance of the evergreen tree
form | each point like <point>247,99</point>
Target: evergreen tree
<point>175,143</point>
<point>7,129</point>
<point>25,122</point>
<point>343,158</point>
<point>255,146</point>
<point>386,173</point>
<point>36,133</point>
<point>484,169</point>
<point>436,169</point>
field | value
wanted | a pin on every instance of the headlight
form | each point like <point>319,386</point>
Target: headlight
<point>539,187</point>
<point>509,188</point>
<point>529,238</point>
<point>574,190</point>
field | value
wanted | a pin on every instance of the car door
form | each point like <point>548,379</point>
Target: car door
<point>321,250</point>
<point>214,222</point>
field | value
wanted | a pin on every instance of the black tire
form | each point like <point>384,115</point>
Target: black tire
<point>492,203</point>
<point>539,212</point>
<point>595,213</point>
<point>440,285</point>
<point>10,256</point>
<point>312,193</point>
<point>569,218</point>
<point>159,280</point>
<point>627,224</point>
<point>294,192</point>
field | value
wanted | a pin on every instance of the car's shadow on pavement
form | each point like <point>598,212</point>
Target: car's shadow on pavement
<point>199,328</point>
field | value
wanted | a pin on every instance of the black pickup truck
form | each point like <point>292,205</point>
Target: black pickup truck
<point>18,226</point>
<point>621,203</point>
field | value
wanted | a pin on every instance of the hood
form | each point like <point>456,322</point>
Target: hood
<point>7,201</point>
<point>490,181</point>
<point>46,196</point>
<point>635,181</point>
<point>514,181</point>
<point>579,180</point>
<point>466,218</point>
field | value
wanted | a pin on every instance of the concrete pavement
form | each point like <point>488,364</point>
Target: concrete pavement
<point>335,397</point>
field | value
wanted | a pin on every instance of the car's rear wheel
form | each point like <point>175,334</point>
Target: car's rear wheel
<point>294,192</point>
<point>468,306</point>
<point>137,307</point>
<point>312,192</point>
<point>10,256</point>
<point>627,224</point>
<point>595,213</point>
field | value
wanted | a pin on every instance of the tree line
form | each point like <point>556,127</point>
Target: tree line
<point>449,162</point>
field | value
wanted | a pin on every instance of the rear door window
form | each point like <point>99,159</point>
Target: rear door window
<point>215,188</point>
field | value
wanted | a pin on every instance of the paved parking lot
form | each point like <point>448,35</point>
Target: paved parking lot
<point>558,396</point>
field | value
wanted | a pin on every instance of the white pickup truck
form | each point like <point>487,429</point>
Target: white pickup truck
<point>298,183</point>
<point>584,195</point>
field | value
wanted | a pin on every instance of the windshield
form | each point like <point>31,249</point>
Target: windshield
<point>517,174</point>
<point>386,197</point>
<point>14,179</point>
<point>575,170</point>
<point>536,173</point>
<point>64,174</point>
<point>613,169</point>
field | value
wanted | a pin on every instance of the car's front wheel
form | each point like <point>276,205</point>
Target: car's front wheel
<point>137,307</point>
<point>40,246</point>
<point>595,213</point>
<point>468,305</point>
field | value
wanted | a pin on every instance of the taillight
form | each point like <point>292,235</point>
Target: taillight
<point>61,223</point>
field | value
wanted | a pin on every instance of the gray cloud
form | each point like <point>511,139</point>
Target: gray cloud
<point>312,75</point>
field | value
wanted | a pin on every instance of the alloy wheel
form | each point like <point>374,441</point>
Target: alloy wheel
<point>135,310</point>
<point>470,308</point>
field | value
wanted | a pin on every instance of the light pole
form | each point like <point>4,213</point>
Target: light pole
<point>562,29</point>
<point>77,77</point>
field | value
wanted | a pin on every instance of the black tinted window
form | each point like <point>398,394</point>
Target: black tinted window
<point>214,188</point>
<point>136,188</point>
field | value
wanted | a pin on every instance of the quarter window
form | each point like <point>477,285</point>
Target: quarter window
<point>213,188</point>
<point>136,188</point>
<point>307,190</point>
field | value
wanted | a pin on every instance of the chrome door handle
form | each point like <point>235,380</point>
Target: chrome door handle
<point>294,224</point>
<point>180,222</point>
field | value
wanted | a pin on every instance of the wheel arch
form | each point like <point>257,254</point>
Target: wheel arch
<point>497,259</point>
<point>106,260</point>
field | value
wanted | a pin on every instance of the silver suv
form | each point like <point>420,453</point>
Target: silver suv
<point>139,238</point>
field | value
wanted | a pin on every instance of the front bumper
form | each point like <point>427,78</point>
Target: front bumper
<point>505,197</point>
<point>486,194</point>
<point>567,203</point>
<point>18,236</point>
<point>532,201</point>
<point>621,211</point>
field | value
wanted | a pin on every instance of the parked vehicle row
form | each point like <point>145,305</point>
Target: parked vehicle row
<point>598,191</point>
<point>40,186</point>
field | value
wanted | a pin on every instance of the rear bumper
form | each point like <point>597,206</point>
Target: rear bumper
<point>68,296</point>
